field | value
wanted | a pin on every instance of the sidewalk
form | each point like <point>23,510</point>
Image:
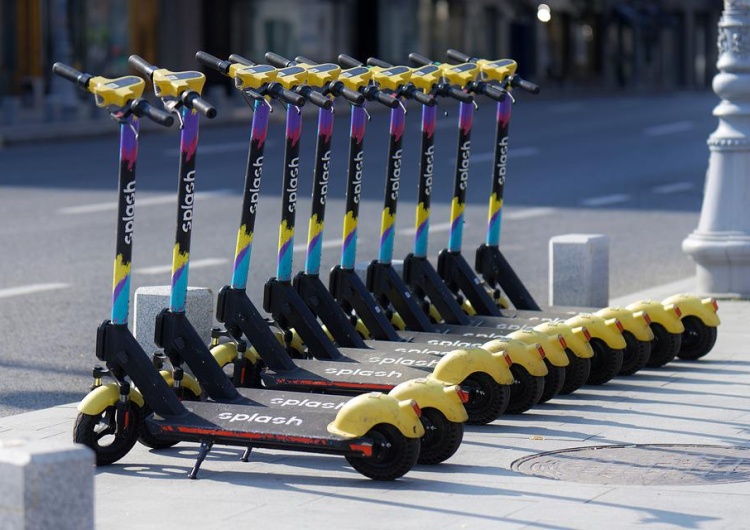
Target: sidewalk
<point>705,404</point>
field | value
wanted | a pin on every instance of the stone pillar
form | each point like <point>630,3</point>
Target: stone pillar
<point>720,245</point>
<point>579,270</point>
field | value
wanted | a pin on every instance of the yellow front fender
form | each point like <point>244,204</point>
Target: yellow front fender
<point>576,338</point>
<point>188,381</point>
<point>551,343</point>
<point>636,322</point>
<point>226,353</point>
<point>454,367</point>
<point>667,315</point>
<point>518,352</point>
<point>431,393</point>
<point>703,308</point>
<point>397,322</point>
<point>362,413</point>
<point>600,328</point>
<point>105,396</point>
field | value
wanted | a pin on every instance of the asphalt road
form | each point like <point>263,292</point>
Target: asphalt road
<point>632,168</point>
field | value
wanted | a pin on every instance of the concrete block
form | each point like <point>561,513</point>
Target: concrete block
<point>579,270</point>
<point>149,302</point>
<point>46,484</point>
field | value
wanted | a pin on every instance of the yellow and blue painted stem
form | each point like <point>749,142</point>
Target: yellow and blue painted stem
<point>125,219</point>
<point>499,168</point>
<point>424,190</point>
<point>461,180</point>
<point>392,182</point>
<point>250,196</point>
<point>353,186</point>
<point>185,202</point>
<point>289,194</point>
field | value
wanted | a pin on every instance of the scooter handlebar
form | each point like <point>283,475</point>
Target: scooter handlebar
<point>303,59</point>
<point>528,86</point>
<point>71,74</point>
<point>420,60</point>
<point>206,59</point>
<point>201,105</point>
<point>372,61</point>
<point>235,58</point>
<point>141,108</point>
<point>458,94</point>
<point>492,92</point>
<point>285,95</point>
<point>424,99</point>
<point>458,56</point>
<point>142,66</point>
<point>352,95</point>
<point>274,59</point>
<point>348,61</point>
<point>316,98</point>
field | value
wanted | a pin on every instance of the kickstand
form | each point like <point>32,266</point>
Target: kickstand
<point>202,454</point>
<point>246,454</point>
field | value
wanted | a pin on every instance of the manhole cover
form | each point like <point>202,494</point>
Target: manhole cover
<point>641,464</point>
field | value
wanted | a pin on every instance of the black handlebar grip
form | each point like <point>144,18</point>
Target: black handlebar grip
<point>352,95</point>
<point>385,99</point>
<point>206,59</point>
<point>140,107</point>
<point>348,61</point>
<point>274,59</point>
<point>492,92</point>
<point>460,95</point>
<point>303,59</point>
<point>420,60</point>
<point>319,100</point>
<point>71,74</point>
<point>236,58</point>
<point>278,91</point>
<point>141,65</point>
<point>201,105</point>
<point>528,86</point>
<point>373,61</point>
<point>424,99</point>
<point>456,55</point>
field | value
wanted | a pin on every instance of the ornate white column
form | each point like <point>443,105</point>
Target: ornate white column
<point>721,244</point>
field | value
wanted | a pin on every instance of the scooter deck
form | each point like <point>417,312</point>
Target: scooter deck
<point>252,423</point>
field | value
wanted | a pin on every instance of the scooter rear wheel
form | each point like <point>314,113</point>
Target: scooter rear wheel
<point>525,392</point>
<point>636,356</point>
<point>148,439</point>
<point>664,347</point>
<point>697,340</point>
<point>442,437</point>
<point>576,373</point>
<point>393,454</point>
<point>605,364</point>
<point>487,399</point>
<point>99,432</point>
<point>553,381</point>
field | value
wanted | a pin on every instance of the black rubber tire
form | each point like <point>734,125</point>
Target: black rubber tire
<point>442,437</point>
<point>605,364</point>
<point>576,373</point>
<point>697,340</point>
<point>97,432</point>
<point>393,454</point>
<point>664,347</point>
<point>487,399</point>
<point>153,442</point>
<point>637,354</point>
<point>525,392</point>
<point>553,381</point>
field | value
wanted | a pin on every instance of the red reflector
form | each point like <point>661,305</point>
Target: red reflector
<point>416,408</point>
<point>586,334</point>
<point>463,395</point>
<point>508,359</point>
<point>619,325</point>
<point>365,449</point>
<point>715,304</point>
<point>541,351</point>
<point>562,342</point>
<point>677,310</point>
<point>647,318</point>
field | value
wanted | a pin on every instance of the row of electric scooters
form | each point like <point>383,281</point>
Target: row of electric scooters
<point>384,371</point>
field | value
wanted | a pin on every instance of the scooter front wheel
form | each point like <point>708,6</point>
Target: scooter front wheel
<point>393,454</point>
<point>148,439</point>
<point>553,381</point>
<point>526,390</point>
<point>100,433</point>
<point>636,356</point>
<point>576,373</point>
<point>605,364</point>
<point>697,340</point>
<point>664,347</point>
<point>487,399</point>
<point>442,437</point>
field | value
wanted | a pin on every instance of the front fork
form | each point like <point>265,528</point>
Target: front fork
<point>122,405</point>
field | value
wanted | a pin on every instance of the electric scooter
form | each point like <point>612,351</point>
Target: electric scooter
<point>665,316</point>
<point>376,433</point>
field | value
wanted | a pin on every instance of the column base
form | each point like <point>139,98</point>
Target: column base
<point>723,262</point>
